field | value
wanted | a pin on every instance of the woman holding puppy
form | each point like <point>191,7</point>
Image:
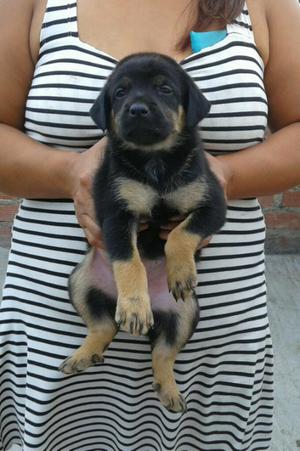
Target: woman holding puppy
<point>55,57</point>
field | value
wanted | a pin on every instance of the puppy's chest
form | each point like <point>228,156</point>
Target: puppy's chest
<point>146,201</point>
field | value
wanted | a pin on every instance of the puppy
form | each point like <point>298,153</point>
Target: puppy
<point>154,169</point>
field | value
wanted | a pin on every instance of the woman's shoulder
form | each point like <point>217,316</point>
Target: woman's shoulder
<point>282,40</point>
<point>15,59</point>
<point>38,11</point>
<point>24,19</point>
<point>268,17</point>
<point>258,14</point>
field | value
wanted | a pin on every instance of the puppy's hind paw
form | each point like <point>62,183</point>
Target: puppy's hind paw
<point>74,365</point>
<point>172,400</point>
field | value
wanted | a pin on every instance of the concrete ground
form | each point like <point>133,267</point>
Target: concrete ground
<point>283,276</point>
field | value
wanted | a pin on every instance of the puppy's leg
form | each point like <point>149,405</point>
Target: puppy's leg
<point>133,313</point>
<point>182,244</point>
<point>165,347</point>
<point>97,311</point>
<point>99,337</point>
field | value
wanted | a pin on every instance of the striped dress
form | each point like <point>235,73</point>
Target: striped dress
<point>225,370</point>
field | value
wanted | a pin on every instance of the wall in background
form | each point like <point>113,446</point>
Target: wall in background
<point>282,213</point>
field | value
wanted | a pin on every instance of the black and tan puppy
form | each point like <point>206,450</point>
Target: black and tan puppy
<point>154,169</point>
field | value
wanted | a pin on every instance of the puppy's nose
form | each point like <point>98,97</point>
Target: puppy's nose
<point>138,109</point>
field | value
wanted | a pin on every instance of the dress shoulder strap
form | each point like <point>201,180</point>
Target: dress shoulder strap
<point>59,20</point>
<point>242,24</point>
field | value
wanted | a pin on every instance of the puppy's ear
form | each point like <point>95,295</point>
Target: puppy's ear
<point>100,111</point>
<point>197,105</point>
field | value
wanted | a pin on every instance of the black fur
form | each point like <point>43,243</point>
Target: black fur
<point>150,108</point>
<point>164,170</point>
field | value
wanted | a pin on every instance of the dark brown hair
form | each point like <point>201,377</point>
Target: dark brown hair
<point>210,10</point>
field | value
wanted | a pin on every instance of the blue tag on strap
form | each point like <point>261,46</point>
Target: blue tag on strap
<point>202,39</point>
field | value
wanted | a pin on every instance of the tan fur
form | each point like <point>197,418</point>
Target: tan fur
<point>178,120</point>
<point>133,311</point>
<point>79,281</point>
<point>92,349</point>
<point>140,198</point>
<point>186,198</point>
<point>163,359</point>
<point>100,334</point>
<point>167,144</point>
<point>180,248</point>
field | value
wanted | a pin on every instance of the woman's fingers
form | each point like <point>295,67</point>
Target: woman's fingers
<point>91,230</point>
<point>85,211</point>
<point>143,226</point>
<point>205,242</point>
<point>83,172</point>
<point>170,225</point>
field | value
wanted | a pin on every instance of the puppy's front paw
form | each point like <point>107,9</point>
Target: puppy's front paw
<point>171,398</point>
<point>182,278</point>
<point>78,362</point>
<point>134,314</point>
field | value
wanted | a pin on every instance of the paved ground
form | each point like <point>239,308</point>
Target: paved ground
<point>283,275</point>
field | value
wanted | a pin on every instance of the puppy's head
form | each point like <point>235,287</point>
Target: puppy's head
<point>148,101</point>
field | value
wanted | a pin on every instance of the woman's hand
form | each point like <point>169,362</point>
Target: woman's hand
<point>83,172</point>
<point>221,170</point>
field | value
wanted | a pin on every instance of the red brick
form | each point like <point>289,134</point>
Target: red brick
<point>7,212</point>
<point>291,199</point>
<point>4,196</point>
<point>266,201</point>
<point>283,220</point>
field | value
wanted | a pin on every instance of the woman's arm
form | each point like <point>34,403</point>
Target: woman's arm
<point>32,170</point>
<point>28,168</point>
<point>274,165</point>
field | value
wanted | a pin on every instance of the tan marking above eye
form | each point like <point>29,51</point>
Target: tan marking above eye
<point>159,80</point>
<point>140,198</point>
<point>125,83</point>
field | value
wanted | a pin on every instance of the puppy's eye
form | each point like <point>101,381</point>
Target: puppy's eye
<point>165,89</point>
<point>120,92</point>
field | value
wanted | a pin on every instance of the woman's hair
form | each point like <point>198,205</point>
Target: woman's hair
<point>209,10</point>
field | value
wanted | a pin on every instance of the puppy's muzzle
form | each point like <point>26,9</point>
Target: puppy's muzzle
<point>142,123</point>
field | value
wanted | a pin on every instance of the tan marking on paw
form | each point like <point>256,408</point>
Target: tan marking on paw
<point>180,249</point>
<point>171,398</point>
<point>133,312</point>
<point>163,358</point>
<point>91,351</point>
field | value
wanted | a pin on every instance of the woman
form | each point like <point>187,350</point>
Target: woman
<point>53,65</point>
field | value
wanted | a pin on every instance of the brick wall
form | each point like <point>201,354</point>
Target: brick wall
<point>282,213</point>
<point>8,208</point>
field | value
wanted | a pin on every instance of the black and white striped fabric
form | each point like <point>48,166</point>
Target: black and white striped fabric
<point>225,371</point>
